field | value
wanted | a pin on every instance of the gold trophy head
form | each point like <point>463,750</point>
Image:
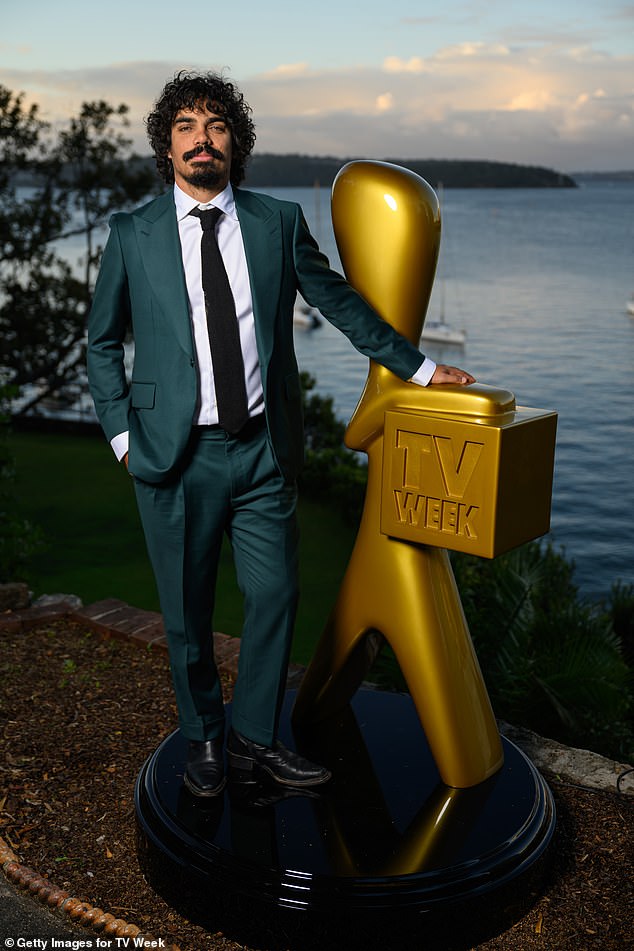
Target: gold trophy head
<point>386,221</point>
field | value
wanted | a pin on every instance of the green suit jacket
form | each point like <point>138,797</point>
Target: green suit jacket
<point>141,286</point>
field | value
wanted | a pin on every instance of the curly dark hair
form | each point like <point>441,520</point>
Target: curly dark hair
<point>187,91</point>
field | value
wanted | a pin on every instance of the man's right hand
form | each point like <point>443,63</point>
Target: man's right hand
<point>125,460</point>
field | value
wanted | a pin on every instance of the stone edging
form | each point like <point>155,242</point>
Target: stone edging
<point>565,764</point>
<point>63,904</point>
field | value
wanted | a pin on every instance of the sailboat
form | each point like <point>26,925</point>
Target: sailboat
<point>629,306</point>
<point>438,330</point>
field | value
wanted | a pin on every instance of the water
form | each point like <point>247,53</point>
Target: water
<point>539,280</point>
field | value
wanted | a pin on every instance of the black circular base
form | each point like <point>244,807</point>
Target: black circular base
<point>385,835</point>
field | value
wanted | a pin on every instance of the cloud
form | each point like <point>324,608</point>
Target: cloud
<point>22,49</point>
<point>61,93</point>
<point>384,102</point>
<point>285,70</point>
<point>472,50</point>
<point>532,100</point>
<point>394,64</point>
<point>567,106</point>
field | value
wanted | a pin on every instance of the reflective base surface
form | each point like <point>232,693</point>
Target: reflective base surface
<point>385,835</point>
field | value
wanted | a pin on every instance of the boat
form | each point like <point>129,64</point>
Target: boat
<point>629,306</point>
<point>437,331</point>
<point>305,316</point>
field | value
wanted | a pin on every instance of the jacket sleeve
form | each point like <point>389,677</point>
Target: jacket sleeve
<point>107,326</point>
<point>324,288</point>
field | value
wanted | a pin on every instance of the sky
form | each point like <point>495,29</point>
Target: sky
<point>550,82</point>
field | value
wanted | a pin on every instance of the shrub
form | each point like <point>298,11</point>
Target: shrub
<point>19,539</point>
<point>331,472</point>
<point>551,661</point>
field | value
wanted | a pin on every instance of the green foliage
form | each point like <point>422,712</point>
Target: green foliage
<point>322,428</point>
<point>75,182</point>
<point>99,172</point>
<point>620,609</point>
<point>551,662</point>
<point>18,129</point>
<point>331,472</point>
<point>19,539</point>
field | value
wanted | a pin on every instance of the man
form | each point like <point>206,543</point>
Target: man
<point>210,425</point>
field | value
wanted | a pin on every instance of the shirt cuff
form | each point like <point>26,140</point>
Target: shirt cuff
<point>424,373</point>
<point>120,445</point>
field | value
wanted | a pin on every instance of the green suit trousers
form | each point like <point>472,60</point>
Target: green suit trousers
<point>227,484</point>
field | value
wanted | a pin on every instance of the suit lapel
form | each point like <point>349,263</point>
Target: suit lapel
<point>160,249</point>
<point>262,237</point>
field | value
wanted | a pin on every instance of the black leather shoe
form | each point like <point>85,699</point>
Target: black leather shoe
<point>249,762</point>
<point>205,770</point>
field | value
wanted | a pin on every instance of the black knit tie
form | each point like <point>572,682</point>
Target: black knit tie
<point>222,326</point>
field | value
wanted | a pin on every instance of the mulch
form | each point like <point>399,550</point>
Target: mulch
<point>81,713</point>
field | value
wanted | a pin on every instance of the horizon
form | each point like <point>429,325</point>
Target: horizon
<point>546,86</point>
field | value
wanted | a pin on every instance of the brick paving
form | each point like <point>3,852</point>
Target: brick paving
<point>114,618</point>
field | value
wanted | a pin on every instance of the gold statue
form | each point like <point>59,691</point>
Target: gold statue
<point>449,467</point>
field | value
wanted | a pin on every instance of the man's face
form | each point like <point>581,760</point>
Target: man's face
<point>200,150</point>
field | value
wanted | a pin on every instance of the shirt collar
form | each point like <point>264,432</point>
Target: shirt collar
<point>224,200</point>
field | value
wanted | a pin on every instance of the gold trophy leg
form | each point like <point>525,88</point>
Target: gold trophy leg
<point>407,594</point>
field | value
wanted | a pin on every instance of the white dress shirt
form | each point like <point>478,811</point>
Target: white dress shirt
<point>232,250</point>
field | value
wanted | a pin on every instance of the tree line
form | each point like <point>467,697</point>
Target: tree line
<point>267,171</point>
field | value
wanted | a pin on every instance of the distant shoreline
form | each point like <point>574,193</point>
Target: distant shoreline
<point>271,170</point>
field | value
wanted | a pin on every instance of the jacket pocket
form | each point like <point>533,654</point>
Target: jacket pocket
<point>142,395</point>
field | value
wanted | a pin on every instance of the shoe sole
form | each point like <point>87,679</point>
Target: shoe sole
<point>244,769</point>
<point>203,793</point>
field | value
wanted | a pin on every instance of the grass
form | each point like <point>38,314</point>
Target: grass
<point>84,503</point>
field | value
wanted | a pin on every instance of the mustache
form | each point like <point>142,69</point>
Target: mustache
<point>209,149</point>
